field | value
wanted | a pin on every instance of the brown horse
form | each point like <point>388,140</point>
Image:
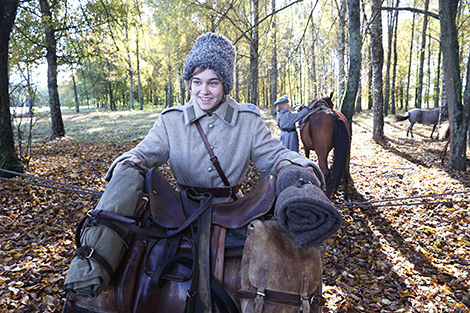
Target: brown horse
<point>323,129</point>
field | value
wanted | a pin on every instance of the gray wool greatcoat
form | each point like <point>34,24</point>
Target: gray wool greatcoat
<point>236,133</point>
<point>286,122</point>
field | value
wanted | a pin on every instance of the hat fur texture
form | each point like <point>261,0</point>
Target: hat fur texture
<point>213,51</point>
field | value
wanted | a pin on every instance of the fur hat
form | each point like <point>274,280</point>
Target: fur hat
<point>213,51</point>
<point>281,101</point>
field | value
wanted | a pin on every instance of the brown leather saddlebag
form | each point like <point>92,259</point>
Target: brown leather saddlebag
<point>276,274</point>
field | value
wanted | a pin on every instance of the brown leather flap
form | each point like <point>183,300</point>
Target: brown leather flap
<point>167,208</point>
<point>273,251</point>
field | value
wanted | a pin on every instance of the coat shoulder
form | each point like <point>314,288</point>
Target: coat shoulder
<point>178,108</point>
<point>249,108</point>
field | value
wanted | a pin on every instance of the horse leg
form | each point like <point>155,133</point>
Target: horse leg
<point>307,152</point>
<point>323,163</point>
<point>410,130</point>
<point>433,129</point>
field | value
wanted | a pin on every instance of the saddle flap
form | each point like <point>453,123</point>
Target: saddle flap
<point>272,252</point>
<point>167,208</point>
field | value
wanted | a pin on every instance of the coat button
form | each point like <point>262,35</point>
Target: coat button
<point>211,125</point>
<point>209,169</point>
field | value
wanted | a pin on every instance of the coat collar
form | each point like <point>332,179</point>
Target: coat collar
<point>227,111</point>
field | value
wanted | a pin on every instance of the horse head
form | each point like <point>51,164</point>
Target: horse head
<point>324,101</point>
<point>328,100</point>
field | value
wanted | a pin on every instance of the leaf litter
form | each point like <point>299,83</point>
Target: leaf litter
<point>406,255</point>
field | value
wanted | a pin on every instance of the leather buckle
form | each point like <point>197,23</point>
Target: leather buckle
<point>90,254</point>
<point>230,190</point>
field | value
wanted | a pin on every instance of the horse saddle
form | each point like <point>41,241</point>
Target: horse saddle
<point>168,211</point>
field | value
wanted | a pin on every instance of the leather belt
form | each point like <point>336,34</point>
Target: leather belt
<point>215,192</point>
<point>289,130</point>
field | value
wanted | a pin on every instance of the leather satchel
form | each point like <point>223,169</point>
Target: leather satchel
<point>276,274</point>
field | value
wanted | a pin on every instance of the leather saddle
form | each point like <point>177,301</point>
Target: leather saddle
<point>168,210</point>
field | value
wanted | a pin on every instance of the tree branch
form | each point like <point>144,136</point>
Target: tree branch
<point>266,17</point>
<point>431,14</point>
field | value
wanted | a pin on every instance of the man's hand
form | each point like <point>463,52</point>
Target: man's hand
<point>136,160</point>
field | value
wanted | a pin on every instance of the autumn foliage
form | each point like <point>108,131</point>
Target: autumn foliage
<point>404,245</point>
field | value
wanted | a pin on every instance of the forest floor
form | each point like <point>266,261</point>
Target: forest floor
<point>404,245</point>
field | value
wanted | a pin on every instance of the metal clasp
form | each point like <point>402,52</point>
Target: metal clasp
<point>90,254</point>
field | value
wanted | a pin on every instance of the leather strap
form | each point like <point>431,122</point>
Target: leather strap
<point>214,159</point>
<point>305,299</point>
<point>203,253</point>
<point>215,192</point>
<point>90,253</point>
<point>280,297</point>
<point>260,298</point>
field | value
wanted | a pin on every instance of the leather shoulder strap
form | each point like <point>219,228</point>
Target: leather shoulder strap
<point>214,159</point>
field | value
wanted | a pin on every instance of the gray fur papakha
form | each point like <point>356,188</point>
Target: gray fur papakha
<point>213,51</point>
<point>307,214</point>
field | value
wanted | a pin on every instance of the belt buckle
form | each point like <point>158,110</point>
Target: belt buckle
<point>229,190</point>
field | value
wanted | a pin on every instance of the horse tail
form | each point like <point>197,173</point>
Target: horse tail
<point>400,118</point>
<point>342,145</point>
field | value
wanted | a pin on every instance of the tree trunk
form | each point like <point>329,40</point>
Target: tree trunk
<point>407,95</point>
<point>341,48</point>
<point>254,68</point>
<point>419,91</point>
<point>314,66</point>
<point>370,89</point>
<point>139,85</point>
<point>355,56</point>
<point>8,158</point>
<point>58,129</point>
<point>131,73</point>
<point>273,60</point>
<point>77,104</point>
<point>388,63</point>
<point>438,79</point>
<point>395,61</point>
<point>377,65</point>
<point>169,96</point>
<point>453,83</point>
<point>359,98</point>
<point>466,100</point>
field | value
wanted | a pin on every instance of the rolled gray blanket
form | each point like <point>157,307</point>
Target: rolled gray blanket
<point>307,214</point>
<point>86,277</point>
<point>292,174</point>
